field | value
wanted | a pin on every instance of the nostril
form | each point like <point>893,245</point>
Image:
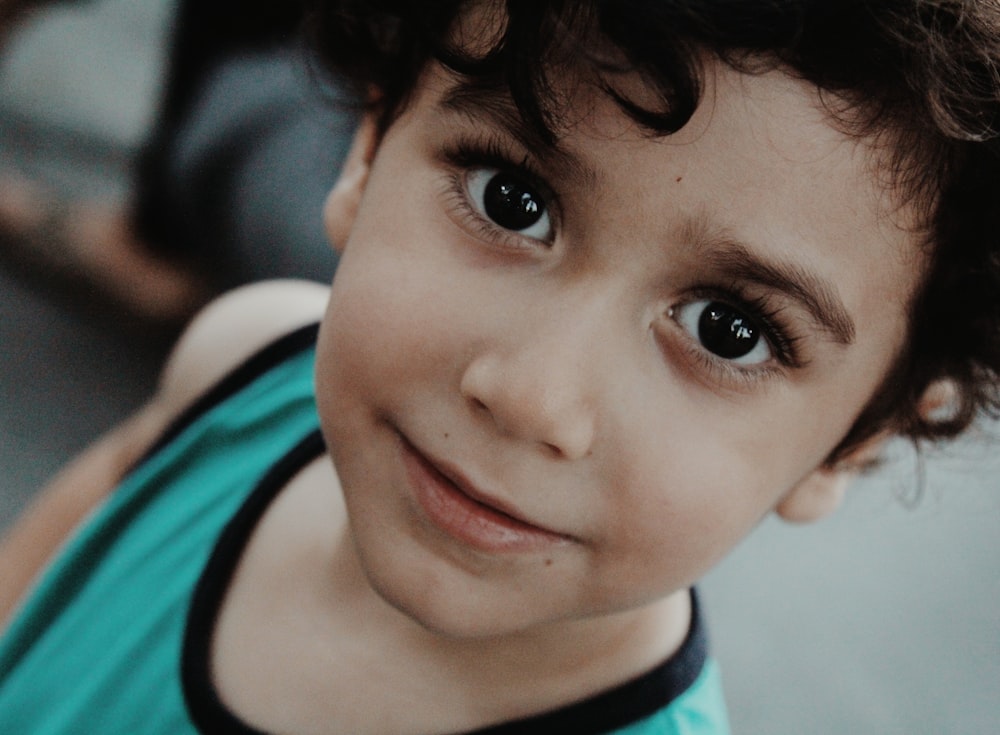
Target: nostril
<point>553,449</point>
<point>571,439</point>
<point>525,403</point>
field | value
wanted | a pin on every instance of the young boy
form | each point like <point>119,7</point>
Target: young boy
<point>617,280</point>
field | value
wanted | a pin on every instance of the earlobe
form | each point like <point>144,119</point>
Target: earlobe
<point>823,490</point>
<point>939,401</point>
<point>343,200</point>
<point>815,497</point>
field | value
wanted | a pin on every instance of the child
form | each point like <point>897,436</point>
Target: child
<point>617,280</point>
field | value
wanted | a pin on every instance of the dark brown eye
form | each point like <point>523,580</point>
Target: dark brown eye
<point>724,330</point>
<point>509,202</point>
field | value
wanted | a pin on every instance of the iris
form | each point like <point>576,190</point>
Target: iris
<point>727,332</point>
<point>512,204</point>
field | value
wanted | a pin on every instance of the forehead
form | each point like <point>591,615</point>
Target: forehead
<point>760,174</point>
<point>770,124</point>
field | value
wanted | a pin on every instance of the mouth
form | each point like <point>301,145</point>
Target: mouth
<point>456,507</point>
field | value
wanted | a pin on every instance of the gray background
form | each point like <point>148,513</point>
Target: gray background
<point>883,619</point>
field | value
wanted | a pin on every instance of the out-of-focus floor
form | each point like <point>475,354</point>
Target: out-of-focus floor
<point>882,620</point>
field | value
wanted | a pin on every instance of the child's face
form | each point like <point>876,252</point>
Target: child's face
<point>637,349</point>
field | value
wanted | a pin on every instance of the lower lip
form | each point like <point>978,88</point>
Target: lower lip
<point>467,520</point>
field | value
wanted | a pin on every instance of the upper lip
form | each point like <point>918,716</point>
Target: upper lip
<point>473,490</point>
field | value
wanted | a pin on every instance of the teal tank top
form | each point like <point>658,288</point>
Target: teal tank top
<point>115,637</point>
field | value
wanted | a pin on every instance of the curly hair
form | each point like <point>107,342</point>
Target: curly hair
<point>920,77</point>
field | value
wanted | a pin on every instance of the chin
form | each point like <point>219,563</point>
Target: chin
<point>449,604</point>
<point>440,615</point>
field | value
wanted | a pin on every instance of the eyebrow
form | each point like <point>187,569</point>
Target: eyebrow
<point>493,106</point>
<point>818,296</point>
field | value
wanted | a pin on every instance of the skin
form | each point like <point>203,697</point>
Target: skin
<point>559,375</point>
<point>224,334</point>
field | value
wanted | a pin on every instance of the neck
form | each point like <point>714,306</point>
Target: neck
<point>332,647</point>
<point>519,674</point>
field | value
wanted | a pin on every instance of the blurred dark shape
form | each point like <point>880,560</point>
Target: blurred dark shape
<point>229,185</point>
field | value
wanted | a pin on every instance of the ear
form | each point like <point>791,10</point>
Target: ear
<point>343,200</point>
<point>815,497</point>
<point>939,401</point>
<point>823,490</point>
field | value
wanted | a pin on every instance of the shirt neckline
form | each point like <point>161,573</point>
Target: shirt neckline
<point>616,708</point>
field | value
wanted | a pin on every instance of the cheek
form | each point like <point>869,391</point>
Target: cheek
<point>699,513</point>
<point>674,510</point>
<point>692,481</point>
<point>387,324</point>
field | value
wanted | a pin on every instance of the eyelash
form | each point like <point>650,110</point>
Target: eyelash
<point>782,339</point>
<point>469,153</point>
<point>466,154</point>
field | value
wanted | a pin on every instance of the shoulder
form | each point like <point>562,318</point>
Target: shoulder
<point>224,335</point>
<point>233,328</point>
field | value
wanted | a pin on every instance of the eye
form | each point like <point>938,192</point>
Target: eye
<point>510,202</point>
<point>725,331</point>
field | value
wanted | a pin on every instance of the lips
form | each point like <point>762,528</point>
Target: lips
<point>456,507</point>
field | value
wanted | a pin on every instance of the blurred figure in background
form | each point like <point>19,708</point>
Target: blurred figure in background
<point>12,10</point>
<point>230,183</point>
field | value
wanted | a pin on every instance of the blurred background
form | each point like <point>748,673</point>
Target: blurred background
<point>884,619</point>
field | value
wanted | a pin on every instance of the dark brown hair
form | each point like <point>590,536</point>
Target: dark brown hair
<point>919,77</point>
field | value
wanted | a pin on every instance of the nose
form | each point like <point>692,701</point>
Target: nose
<point>537,388</point>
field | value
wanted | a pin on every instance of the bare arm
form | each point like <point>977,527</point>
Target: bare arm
<point>226,333</point>
<point>69,497</point>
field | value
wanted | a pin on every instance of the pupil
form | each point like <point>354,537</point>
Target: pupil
<point>510,204</point>
<point>726,332</point>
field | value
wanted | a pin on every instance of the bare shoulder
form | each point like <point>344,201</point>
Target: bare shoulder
<point>227,332</point>
<point>231,329</point>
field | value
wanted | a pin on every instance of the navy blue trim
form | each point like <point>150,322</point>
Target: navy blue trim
<point>626,704</point>
<point>614,709</point>
<point>207,711</point>
<point>241,376</point>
